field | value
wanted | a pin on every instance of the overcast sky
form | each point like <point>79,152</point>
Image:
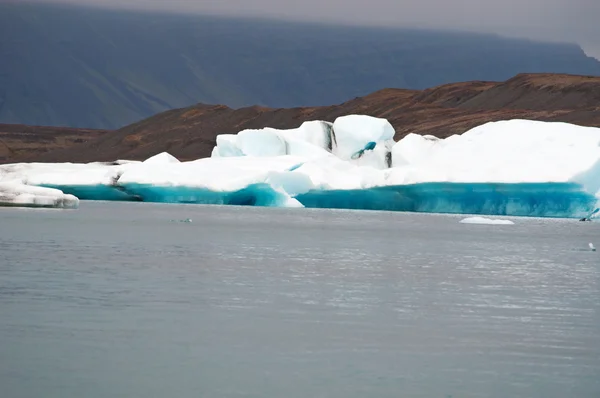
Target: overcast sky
<point>556,20</point>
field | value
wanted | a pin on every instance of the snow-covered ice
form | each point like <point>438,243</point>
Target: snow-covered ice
<point>513,151</point>
<point>513,167</point>
<point>354,133</point>
<point>14,193</point>
<point>483,220</point>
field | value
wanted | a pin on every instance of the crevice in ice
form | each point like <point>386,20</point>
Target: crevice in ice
<point>296,166</point>
<point>115,179</point>
<point>332,140</point>
<point>369,146</point>
<point>286,145</point>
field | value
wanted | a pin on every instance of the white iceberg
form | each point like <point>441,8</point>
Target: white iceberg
<point>515,167</point>
<point>483,220</point>
<point>14,193</point>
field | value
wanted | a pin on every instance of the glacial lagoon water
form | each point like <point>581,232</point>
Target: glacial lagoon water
<point>129,300</point>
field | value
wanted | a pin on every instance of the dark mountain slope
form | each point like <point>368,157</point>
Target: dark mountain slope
<point>189,133</point>
<point>83,67</point>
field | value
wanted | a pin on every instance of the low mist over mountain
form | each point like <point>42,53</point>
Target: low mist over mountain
<point>85,67</point>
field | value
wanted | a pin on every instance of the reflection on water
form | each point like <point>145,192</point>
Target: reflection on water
<point>114,300</point>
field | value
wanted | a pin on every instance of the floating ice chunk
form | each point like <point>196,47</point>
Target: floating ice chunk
<point>17,194</point>
<point>354,132</point>
<point>483,220</point>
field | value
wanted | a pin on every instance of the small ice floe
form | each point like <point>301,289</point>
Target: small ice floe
<point>483,220</point>
<point>592,247</point>
<point>17,194</point>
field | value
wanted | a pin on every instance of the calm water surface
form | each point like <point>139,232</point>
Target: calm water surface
<point>124,300</point>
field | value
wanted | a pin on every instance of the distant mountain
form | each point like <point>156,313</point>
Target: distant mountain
<point>190,133</point>
<point>84,67</point>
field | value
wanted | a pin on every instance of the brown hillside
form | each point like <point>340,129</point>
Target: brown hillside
<point>540,92</point>
<point>441,111</point>
<point>18,141</point>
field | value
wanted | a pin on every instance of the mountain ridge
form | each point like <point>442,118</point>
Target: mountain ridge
<point>96,68</point>
<point>189,133</point>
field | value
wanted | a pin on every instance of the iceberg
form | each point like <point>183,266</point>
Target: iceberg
<point>486,221</point>
<point>507,168</point>
<point>91,181</point>
<point>14,193</point>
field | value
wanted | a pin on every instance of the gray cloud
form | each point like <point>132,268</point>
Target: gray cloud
<point>552,20</point>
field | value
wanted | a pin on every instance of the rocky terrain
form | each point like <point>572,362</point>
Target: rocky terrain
<point>19,141</point>
<point>189,133</point>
